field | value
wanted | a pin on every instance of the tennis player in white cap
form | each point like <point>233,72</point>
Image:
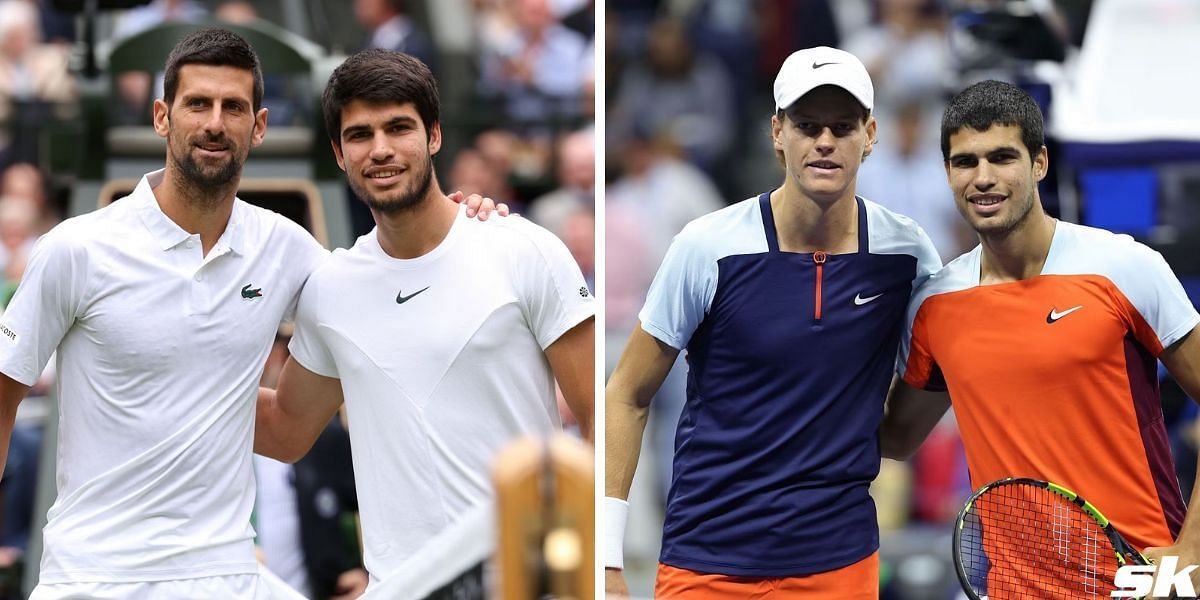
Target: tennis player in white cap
<point>790,305</point>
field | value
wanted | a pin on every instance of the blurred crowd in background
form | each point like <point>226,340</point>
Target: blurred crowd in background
<point>517,80</point>
<point>688,107</point>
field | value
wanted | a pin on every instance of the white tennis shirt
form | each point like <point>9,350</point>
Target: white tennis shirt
<point>160,350</point>
<point>441,363</point>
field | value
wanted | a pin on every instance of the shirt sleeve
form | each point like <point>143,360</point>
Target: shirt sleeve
<point>308,254</point>
<point>308,346</point>
<point>916,364</point>
<point>928,260</point>
<point>681,293</point>
<point>1164,314</point>
<point>45,306</point>
<point>554,295</point>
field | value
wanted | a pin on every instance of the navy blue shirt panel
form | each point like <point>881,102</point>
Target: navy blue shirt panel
<point>778,441</point>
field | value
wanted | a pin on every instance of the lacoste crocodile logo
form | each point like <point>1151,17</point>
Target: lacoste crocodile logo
<point>251,294</point>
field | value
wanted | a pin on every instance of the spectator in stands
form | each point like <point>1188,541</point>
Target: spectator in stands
<point>137,20</point>
<point>237,12</point>
<point>908,55</point>
<point>18,231</point>
<point>512,156</point>
<point>29,70</point>
<point>667,191</point>
<point>58,26</point>
<point>473,173</point>
<point>577,15</point>
<point>391,29</point>
<point>21,200</point>
<point>135,88</point>
<point>680,94</point>
<point>789,24</point>
<point>729,32</point>
<point>579,234</point>
<point>19,485</point>
<point>576,177</point>
<point>905,174</point>
<point>538,68</point>
<point>24,180</point>
<point>660,193</point>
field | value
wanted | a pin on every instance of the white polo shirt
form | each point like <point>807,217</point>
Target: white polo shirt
<point>160,350</point>
<point>441,362</point>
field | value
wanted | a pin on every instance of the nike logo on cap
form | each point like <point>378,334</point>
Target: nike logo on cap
<point>817,65</point>
<point>401,298</point>
<point>1055,315</point>
<point>859,300</point>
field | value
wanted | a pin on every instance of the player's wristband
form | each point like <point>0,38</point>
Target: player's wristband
<point>616,511</point>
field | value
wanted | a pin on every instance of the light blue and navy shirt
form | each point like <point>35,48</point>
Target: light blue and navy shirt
<point>790,356</point>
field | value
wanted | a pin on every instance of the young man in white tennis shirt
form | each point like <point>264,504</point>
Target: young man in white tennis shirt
<point>163,307</point>
<point>445,335</point>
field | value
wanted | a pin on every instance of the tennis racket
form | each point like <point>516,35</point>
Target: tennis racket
<point>1025,538</point>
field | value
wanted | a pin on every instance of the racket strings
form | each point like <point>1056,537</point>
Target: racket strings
<point>1021,541</point>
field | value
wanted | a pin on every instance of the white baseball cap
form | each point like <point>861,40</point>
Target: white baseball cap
<point>807,69</point>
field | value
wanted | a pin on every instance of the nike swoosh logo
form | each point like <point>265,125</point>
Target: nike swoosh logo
<point>1055,315</point>
<point>819,65</point>
<point>859,300</point>
<point>401,298</point>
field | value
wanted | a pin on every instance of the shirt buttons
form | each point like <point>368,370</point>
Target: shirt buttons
<point>199,277</point>
<point>189,244</point>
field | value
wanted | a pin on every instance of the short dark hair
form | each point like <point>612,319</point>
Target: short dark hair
<point>215,47</point>
<point>994,102</point>
<point>379,76</point>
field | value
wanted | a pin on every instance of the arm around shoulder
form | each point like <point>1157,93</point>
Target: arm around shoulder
<point>909,415</point>
<point>289,419</point>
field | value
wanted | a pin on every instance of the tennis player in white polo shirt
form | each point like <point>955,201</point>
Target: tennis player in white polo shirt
<point>163,307</point>
<point>444,335</point>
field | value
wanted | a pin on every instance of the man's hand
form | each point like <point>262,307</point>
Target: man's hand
<point>351,584</point>
<point>614,584</point>
<point>1188,554</point>
<point>477,204</point>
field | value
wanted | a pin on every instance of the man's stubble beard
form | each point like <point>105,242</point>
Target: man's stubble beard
<point>988,228</point>
<point>409,198</point>
<point>206,189</point>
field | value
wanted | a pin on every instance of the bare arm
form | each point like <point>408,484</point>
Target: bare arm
<point>289,419</point>
<point>1182,360</point>
<point>11,394</point>
<point>573,359</point>
<point>908,417</point>
<point>639,373</point>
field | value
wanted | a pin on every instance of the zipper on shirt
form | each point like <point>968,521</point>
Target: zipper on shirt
<point>819,260</point>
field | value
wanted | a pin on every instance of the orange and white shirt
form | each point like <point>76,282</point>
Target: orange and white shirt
<point>1055,377</point>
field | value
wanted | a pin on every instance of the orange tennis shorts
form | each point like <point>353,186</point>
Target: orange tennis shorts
<point>859,581</point>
